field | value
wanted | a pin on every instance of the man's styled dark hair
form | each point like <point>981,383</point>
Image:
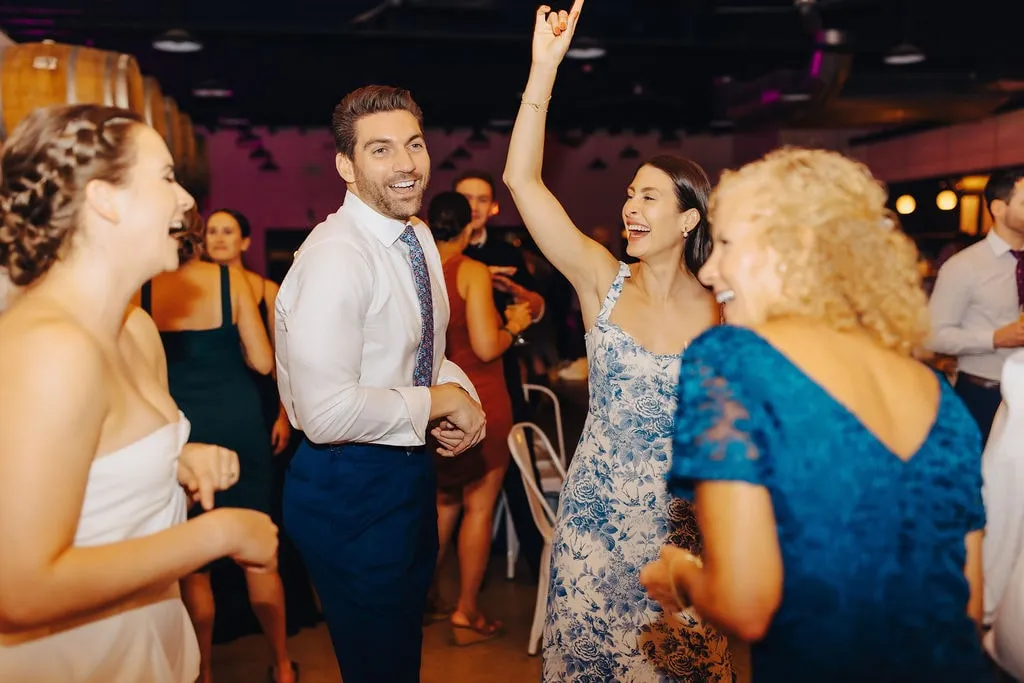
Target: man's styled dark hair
<point>370,99</point>
<point>475,175</point>
<point>1000,185</point>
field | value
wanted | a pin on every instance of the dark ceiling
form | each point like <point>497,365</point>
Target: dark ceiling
<point>466,60</point>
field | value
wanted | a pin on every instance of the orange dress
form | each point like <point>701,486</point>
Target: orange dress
<point>489,380</point>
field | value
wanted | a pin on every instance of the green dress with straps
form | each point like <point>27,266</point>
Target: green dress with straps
<point>211,384</point>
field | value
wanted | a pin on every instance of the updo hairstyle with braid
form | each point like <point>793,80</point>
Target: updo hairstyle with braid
<point>44,168</point>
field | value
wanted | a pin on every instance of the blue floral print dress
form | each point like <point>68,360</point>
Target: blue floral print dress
<point>614,516</point>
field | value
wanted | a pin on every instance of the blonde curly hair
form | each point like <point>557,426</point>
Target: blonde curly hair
<point>844,258</point>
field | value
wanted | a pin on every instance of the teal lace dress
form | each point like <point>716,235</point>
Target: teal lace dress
<point>872,545</point>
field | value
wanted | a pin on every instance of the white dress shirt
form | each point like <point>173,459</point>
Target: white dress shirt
<point>1002,467</point>
<point>975,294</point>
<point>348,326</point>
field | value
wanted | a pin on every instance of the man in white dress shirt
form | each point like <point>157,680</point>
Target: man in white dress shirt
<point>361,321</point>
<point>976,303</point>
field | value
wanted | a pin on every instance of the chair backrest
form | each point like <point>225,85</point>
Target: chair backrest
<point>543,515</point>
<point>559,434</point>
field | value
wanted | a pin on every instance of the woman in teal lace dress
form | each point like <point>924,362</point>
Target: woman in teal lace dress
<point>837,480</point>
<point>614,511</point>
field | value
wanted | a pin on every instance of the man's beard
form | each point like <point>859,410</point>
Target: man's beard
<point>378,196</point>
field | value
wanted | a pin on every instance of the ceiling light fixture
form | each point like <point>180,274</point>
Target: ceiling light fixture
<point>904,54</point>
<point>177,40</point>
<point>212,90</point>
<point>586,49</point>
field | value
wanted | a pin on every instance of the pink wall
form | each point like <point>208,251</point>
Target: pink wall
<point>978,146</point>
<point>307,186</point>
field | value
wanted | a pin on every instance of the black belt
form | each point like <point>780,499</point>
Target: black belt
<point>978,381</point>
<point>331,447</point>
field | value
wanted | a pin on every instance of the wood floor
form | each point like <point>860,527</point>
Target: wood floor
<point>502,660</point>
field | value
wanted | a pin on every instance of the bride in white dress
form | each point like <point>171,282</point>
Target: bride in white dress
<point>92,504</point>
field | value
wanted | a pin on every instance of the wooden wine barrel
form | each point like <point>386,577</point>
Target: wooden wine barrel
<point>43,74</point>
<point>173,136</point>
<point>198,181</point>
<point>185,164</point>
<point>153,106</point>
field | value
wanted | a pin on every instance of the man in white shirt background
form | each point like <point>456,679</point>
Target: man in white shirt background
<point>361,321</point>
<point>976,303</point>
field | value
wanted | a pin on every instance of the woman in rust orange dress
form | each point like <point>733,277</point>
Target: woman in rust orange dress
<point>470,483</point>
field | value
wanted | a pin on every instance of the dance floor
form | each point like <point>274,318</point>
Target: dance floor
<point>502,660</point>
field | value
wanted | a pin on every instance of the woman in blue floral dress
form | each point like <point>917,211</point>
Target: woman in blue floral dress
<point>615,512</point>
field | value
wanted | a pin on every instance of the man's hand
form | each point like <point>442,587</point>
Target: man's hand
<point>1009,337</point>
<point>463,424</point>
<point>449,437</point>
<point>204,469</point>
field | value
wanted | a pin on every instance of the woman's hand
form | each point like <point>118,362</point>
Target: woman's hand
<point>660,580</point>
<point>553,32</point>
<point>204,469</point>
<point>517,318</point>
<point>280,433</point>
<point>251,537</point>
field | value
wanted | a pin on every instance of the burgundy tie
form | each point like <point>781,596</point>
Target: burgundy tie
<point>1019,255</point>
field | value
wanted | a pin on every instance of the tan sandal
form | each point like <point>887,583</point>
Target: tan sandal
<point>470,634</point>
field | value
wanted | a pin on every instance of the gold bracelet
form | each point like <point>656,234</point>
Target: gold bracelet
<point>691,558</point>
<point>539,108</point>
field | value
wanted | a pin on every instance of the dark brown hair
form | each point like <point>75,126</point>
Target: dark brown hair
<point>44,168</point>
<point>190,241</point>
<point>475,175</point>
<point>1000,185</point>
<point>692,190</point>
<point>243,223</point>
<point>370,99</point>
<point>448,215</point>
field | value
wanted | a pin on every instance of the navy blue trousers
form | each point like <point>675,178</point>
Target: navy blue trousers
<point>982,403</point>
<point>364,519</point>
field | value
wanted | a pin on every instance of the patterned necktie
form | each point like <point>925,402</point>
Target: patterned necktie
<point>1019,255</point>
<point>423,375</point>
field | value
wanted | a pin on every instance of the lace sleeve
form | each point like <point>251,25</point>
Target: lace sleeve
<point>716,435</point>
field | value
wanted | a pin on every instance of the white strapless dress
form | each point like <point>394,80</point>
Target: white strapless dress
<point>132,492</point>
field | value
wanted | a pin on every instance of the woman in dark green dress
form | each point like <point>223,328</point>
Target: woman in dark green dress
<point>227,238</point>
<point>213,336</point>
